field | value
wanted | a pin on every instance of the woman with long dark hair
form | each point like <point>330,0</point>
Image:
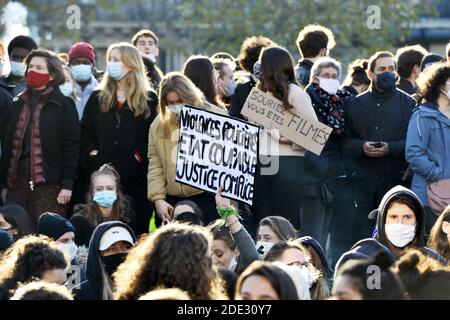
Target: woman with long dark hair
<point>15,220</point>
<point>200,70</point>
<point>439,239</point>
<point>278,189</point>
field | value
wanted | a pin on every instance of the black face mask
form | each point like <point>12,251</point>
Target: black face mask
<point>111,263</point>
<point>385,82</point>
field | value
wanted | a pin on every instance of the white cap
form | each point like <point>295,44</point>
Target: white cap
<point>113,235</point>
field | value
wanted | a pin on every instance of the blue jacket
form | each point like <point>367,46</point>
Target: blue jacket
<point>428,148</point>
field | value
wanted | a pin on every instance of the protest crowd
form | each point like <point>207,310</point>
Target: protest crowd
<point>250,178</point>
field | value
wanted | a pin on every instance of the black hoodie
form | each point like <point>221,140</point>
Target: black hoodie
<point>92,288</point>
<point>419,238</point>
<point>321,253</point>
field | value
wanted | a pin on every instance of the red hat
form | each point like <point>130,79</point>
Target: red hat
<point>82,50</point>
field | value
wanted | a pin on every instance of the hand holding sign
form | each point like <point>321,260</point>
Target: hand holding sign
<point>269,112</point>
<point>216,150</point>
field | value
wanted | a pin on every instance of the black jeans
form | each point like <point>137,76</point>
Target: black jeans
<point>278,192</point>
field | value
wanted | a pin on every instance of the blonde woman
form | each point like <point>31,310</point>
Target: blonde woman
<point>115,126</point>
<point>67,88</point>
<point>175,91</point>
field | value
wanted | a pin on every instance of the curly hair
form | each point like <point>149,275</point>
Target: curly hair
<point>175,256</point>
<point>313,38</point>
<point>438,240</point>
<point>250,51</point>
<point>431,83</point>
<point>41,290</point>
<point>28,259</point>
<point>424,278</point>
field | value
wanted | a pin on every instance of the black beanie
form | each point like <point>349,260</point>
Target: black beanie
<point>22,42</point>
<point>5,240</point>
<point>53,225</point>
<point>430,59</point>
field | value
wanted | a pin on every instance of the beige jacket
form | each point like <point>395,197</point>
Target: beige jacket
<point>162,155</point>
<point>269,139</point>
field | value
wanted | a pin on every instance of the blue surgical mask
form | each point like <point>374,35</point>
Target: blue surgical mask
<point>18,68</point>
<point>105,199</point>
<point>175,108</point>
<point>115,70</point>
<point>66,88</point>
<point>81,72</point>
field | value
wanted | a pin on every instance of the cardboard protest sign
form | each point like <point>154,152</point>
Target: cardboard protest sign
<point>269,112</point>
<point>216,150</point>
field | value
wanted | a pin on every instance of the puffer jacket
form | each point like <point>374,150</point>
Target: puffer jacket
<point>162,162</point>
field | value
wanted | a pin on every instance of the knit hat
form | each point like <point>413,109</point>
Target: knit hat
<point>429,59</point>
<point>5,240</point>
<point>53,225</point>
<point>82,50</point>
<point>22,42</point>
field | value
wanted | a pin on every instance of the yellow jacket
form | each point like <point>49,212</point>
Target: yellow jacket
<point>162,155</point>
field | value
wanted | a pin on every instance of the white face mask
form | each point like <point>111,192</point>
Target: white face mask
<point>69,248</point>
<point>263,247</point>
<point>310,273</point>
<point>176,108</point>
<point>151,57</point>
<point>329,85</point>
<point>233,264</point>
<point>400,234</point>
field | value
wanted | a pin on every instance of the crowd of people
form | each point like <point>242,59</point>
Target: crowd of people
<point>92,210</point>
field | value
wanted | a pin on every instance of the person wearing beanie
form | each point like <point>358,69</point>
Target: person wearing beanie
<point>18,49</point>
<point>82,62</point>
<point>59,229</point>
<point>62,231</point>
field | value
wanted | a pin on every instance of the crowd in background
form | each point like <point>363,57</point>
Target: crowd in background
<point>92,209</point>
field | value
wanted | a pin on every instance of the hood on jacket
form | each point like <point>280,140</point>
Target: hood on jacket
<point>429,110</point>
<point>364,249</point>
<point>381,213</point>
<point>310,241</point>
<point>93,264</point>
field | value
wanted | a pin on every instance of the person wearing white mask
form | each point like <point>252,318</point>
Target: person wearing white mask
<point>63,233</point>
<point>401,223</point>
<point>176,90</point>
<point>82,63</point>
<point>18,49</point>
<point>232,247</point>
<point>115,125</point>
<point>225,82</point>
<point>320,216</point>
<point>147,43</point>
<point>271,230</point>
<point>68,88</point>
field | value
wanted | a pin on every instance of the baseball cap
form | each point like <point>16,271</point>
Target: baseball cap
<point>113,235</point>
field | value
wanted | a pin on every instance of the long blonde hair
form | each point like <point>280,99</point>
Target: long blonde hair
<point>137,83</point>
<point>188,93</point>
